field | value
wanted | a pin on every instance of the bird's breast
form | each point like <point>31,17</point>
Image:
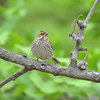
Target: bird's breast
<point>42,50</point>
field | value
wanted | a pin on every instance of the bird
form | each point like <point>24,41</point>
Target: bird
<point>42,48</point>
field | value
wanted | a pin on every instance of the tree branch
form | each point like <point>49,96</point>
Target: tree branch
<point>44,67</point>
<point>80,24</point>
<point>91,11</point>
<point>13,77</point>
<point>30,64</point>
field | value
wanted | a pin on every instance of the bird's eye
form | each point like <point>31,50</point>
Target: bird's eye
<point>42,33</point>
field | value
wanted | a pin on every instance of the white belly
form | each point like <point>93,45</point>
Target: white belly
<point>42,53</point>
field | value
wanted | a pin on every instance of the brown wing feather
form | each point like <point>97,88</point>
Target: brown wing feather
<point>50,46</point>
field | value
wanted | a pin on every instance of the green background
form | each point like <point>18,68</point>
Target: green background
<point>21,21</point>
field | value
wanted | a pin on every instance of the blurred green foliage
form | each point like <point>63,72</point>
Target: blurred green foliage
<point>21,21</point>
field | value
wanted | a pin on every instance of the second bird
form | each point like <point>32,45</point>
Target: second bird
<point>42,48</point>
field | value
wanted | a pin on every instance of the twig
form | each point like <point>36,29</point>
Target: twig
<point>84,49</point>
<point>13,77</point>
<point>77,45</point>
<point>91,11</point>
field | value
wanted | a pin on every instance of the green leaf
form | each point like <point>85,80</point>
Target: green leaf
<point>47,87</point>
<point>7,86</point>
<point>24,49</point>
<point>93,61</point>
<point>20,89</point>
<point>64,60</point>
<point>78,83</point>
<point>4,37</point>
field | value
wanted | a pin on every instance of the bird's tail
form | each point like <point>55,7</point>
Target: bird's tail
<point>55,60</point>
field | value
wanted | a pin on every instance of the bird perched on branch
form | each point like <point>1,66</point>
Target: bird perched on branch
<point>42,48</point>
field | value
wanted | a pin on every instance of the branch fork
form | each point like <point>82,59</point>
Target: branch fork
<point>78,37</point>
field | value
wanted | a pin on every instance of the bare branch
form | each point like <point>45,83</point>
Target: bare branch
<point>13,77</point>
<point>44,67</point>
<point>91,11</point>
<point>78,43</point>
<point>84,49</point>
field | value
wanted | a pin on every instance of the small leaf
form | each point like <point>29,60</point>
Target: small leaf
<point>47,87</point>
<point>3,37</point>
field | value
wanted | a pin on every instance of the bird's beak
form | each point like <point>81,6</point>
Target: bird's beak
<point>46,34</point>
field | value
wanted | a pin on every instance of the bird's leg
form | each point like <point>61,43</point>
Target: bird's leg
<point>37,59</point>
<point>47,62</point>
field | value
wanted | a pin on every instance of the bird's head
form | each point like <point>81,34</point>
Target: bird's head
<point>43,35</point>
